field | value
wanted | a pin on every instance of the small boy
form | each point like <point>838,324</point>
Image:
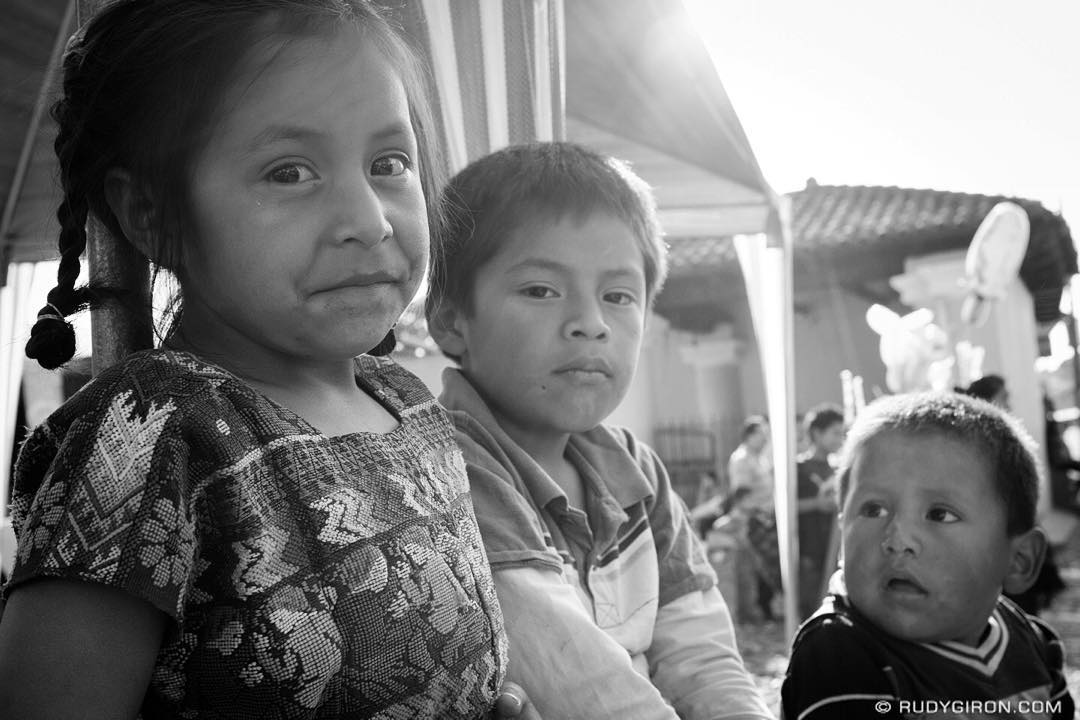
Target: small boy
<point>552,257</point>
<point>938,517</point>
<point>816,490</point>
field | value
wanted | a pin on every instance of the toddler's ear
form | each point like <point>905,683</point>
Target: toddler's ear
<point>134,210</point>
<point>1028,552</point>
<point>444,326</point>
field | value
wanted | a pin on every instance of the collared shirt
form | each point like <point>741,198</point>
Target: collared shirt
<point>628,564</point>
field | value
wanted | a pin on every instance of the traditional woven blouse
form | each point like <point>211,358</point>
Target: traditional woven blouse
<point>308,576</point>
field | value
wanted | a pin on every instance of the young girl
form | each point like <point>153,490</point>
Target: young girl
<point>247,522</point>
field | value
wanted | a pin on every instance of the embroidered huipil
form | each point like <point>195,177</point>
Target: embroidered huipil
<point>308,576</point>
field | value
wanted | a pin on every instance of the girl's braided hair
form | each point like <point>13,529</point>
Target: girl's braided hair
<point>142,84</point>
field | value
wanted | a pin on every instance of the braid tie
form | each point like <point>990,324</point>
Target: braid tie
<point>52,338</point>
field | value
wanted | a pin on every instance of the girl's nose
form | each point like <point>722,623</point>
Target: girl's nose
<point>360,214</point>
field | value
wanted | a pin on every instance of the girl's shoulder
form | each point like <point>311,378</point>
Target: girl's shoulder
<point>394,384</point>
<point>164,396</point>
<point>145,381</point>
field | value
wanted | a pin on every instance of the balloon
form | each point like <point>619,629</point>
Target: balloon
<point>993,259</point>
<point>915,350</point>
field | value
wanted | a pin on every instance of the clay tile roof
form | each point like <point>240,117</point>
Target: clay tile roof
<point>875,228</point>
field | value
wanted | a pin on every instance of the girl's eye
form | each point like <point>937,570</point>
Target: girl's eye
<point>291,174</point>
<point>392,165</point>
<point>942,515</point>
<point>620,297</point>
<point>873,510</point>
<point>538,291</point>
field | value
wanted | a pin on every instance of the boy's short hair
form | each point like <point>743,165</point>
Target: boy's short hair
<point>510,189</point>
<point>822,417</point>
<point>998,437</point>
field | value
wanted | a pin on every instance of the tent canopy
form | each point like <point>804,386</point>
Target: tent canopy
<point>639,84</point>
<point>630,77</point>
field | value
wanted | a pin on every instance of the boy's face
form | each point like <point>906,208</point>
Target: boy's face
<point>831,439</point>
<point>556,324</point>
<point>925,545</point>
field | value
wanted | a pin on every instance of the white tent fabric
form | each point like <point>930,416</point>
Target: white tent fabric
<point>18,303</point>
<point>767,268</point>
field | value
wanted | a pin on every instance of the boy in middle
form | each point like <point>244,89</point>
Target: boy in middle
<point>552,258</point>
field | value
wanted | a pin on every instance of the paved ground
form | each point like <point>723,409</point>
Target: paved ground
<point>765,648</point>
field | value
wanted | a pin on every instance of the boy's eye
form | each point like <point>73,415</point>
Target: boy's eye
<point>873,510</point>
<point>291,174</point>
<point>942,515</point>
<point>620,297</point>
<point>392,165</point>
<point>538,291</point>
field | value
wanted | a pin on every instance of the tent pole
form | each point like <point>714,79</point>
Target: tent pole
<point>779,239</point>
<point>117,328</point>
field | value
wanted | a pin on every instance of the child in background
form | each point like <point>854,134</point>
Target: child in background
<point>750,466</point>
<point>249,521</point>
<point>552,261</point>
<point>938,517</point>
<point>816,489</point>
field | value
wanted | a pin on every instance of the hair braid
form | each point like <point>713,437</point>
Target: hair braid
<point>52,338</point>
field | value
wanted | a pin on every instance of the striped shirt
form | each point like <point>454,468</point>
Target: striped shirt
<point>611,609</point>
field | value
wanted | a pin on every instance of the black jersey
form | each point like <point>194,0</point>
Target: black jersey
<point>843,667</point>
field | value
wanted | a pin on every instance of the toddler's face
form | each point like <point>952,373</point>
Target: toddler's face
<point>558,313</point>
<point>925,545</point>
<point>308,208</point>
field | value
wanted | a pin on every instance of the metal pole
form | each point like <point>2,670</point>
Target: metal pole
<point>117,328</point>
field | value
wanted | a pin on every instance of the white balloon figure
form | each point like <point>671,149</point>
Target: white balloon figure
<point>993,259</point>
<point>915,350</point>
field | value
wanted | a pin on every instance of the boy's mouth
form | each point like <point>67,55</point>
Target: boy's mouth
<point>904,584</point>
<point>586,367</point>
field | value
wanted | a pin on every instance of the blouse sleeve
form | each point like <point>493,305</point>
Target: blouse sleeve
<point>101,495</point>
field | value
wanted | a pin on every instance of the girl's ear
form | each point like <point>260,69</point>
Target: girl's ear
<point>445,326</point>
<point>134,210</point>
<point>1028,553</point>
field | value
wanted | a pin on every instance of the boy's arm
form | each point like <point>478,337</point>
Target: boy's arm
<point>569,666</point>
<point>693,658</point>
<point>694,661</point>
<point>832,673</point>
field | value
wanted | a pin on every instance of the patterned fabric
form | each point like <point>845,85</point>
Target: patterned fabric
<point>842,666</point>
<point>308,576</point>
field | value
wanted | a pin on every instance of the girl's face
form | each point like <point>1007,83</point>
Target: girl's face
<point>310,228</point>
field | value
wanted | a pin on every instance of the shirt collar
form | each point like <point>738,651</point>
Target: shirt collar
<point>605,450</point>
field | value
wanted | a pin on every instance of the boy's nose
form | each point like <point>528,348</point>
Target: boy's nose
<point>900,539</point>
<point>588,323</point>
<point>359,214</point>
